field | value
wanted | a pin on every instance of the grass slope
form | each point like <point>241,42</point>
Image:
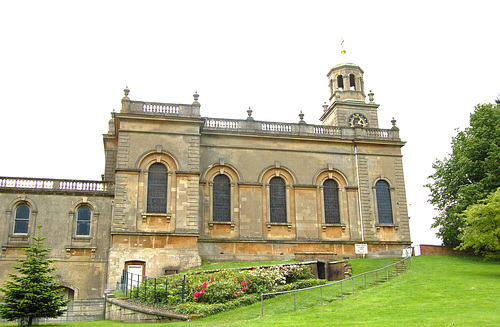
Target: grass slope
<point>436,291</point>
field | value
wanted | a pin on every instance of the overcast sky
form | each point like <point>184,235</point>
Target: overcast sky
<point>64,64</point>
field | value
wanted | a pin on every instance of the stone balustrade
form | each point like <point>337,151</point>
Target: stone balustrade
<point>167,109</point>
<point>39,184</point>
<point>253,126</point>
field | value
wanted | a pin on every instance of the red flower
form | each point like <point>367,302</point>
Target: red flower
<point>235,279</point>
<point>204,284</point>
<point>197,294</point>
<point>244,283</point>
<point>212,280</point>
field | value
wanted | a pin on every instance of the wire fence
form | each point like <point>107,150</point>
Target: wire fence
<point>169,290</point>
<point>329,292</point>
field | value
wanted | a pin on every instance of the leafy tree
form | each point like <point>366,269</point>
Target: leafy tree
<point>33,294</point>
<point>468,174</point>
<point>482,229</point>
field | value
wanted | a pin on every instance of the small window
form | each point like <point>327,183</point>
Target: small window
<point>22,219</point>
<point>352,82</point>
<point>83,220</point>
<point>340,82</point>
<point>384,203</point>
<point>222,198</point>
<point>157,188</point>
<point>277,201</point>
<point>331,201</point>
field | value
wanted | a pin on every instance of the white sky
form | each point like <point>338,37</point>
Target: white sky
<point>64,64</point>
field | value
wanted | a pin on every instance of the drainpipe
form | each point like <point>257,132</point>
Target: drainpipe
<point>359,193</point>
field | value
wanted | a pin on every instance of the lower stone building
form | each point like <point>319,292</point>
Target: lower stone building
<point>179,188</point>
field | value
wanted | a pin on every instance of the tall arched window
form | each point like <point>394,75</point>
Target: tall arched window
<point>352,82</point>
<point>22,219</point>
<point>83,219</point>
<point>277,200</point>
<point>340,82</point>
<point>157,188</point>
<point>331,201</point>
<point>384,203</point>
<point>221,198</point>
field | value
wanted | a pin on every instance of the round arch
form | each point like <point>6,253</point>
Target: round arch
<point>277,171</point>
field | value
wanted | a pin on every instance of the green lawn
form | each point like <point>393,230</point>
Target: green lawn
<point>436,291</point>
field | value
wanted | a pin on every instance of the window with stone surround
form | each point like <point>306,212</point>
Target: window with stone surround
<point>331,201</point>
<point>221,199</point>
<point>384,202</point>
<point>157,188</point>
<point>22,219</point>
<point>277,200</point>
<point>83,221</point>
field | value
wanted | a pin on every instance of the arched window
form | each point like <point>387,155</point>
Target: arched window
<point>340,82</point>
<point>221,198</point>
<point>352,82</point>
<point>331,201</point>
<point>22,219</point>
<point>83,219</point>
<point>277,201</point>
<point>384,203</point>
<point>157,188</point>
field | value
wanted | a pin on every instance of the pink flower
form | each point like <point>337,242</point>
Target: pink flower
<point>244,283</point>
<point>198,286</point>
<point>203,291</point>
<point>234,279</point>
<point>197,294</point>
<point>212,280</point>
<point>244,288</point>
<point>253,268</point>
<point>239,294</point>
<point>204,284</point>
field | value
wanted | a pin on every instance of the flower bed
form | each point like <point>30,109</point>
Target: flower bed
<point>211,292</point>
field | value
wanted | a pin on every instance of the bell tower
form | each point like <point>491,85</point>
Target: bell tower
<point>348,107</point>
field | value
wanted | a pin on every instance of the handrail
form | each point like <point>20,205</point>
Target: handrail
<point>334,283</point>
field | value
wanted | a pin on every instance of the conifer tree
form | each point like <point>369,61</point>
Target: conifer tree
<point>34,293</point>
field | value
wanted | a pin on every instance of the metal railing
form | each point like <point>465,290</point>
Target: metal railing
<point>377,276</point>
<point>154,290</point>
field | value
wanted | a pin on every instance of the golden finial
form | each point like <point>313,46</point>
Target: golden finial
<point>342,45</point>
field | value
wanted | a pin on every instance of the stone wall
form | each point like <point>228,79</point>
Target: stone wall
<point>441,250</point>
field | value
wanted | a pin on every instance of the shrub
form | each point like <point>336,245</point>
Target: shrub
<point>207,309</point>
<point>262,280</point>
<point>219,289</point>
<point>293,273</point>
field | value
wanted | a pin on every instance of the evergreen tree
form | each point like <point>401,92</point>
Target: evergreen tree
<point>34,293</point>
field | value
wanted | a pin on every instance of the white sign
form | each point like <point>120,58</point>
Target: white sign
<point>406,253</point>
<point>361,248</point>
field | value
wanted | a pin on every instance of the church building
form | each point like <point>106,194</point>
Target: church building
<point>179,188</point>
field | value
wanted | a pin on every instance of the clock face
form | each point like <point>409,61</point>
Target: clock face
<point>358,120</point>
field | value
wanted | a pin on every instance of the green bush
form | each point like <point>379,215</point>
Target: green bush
<point>304,283</point>
<point>207,309</point>
<point>219,289</point>
<point>261,280</point>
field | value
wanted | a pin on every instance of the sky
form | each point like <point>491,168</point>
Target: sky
<point>64,65</point>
